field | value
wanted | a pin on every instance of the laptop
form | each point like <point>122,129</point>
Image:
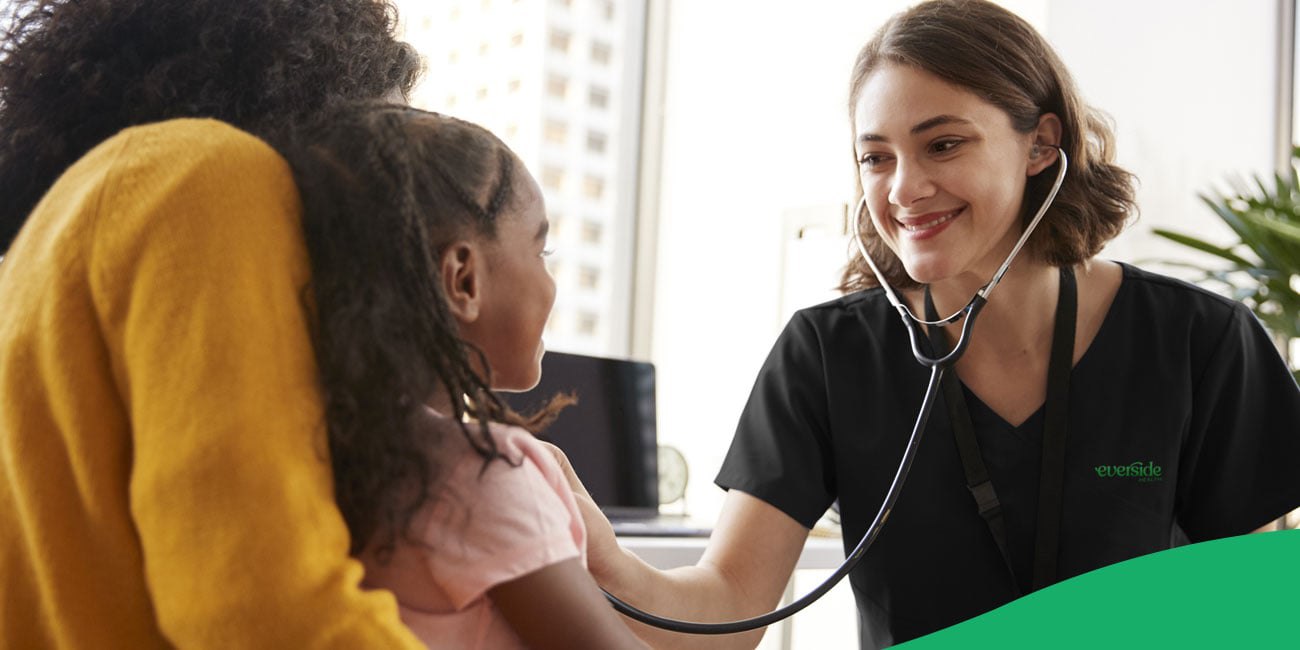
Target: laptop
<point>610,437</point>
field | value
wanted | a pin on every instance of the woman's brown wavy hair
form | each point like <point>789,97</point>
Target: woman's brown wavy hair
<point>991,52</point>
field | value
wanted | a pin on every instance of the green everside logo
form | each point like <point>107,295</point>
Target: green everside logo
<point>1144,472</point>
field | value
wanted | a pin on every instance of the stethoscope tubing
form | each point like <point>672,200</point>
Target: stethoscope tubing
<point>850,562</point>
<point>937,368</point>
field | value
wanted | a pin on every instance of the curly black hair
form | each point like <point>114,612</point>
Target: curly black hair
<point>74,72</point>
<point>385,190</point>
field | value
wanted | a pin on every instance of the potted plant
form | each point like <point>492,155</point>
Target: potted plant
<point>1262,269</point>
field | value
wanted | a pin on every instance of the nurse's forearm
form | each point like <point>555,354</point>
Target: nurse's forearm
<point>701,593</point>
<point>744,570</point>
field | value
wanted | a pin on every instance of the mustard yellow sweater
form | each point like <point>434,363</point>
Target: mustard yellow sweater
<point>164,477</point>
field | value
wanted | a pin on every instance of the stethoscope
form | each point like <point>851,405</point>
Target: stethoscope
<point>937,367</point>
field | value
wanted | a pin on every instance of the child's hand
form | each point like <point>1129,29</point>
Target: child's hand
<point>602,546</point>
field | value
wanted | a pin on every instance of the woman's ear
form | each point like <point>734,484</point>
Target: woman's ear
<point>1043,151</point>
<point>461,270</point>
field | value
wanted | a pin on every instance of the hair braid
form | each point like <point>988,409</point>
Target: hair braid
<point>502,193</point>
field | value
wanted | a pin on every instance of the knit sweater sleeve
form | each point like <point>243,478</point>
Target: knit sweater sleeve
<point>198,272</point>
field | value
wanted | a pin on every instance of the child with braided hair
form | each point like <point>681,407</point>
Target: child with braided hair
<point>426,238</point>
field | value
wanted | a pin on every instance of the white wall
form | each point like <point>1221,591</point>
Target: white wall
<point>754,124</point>
<point>1190,85</point>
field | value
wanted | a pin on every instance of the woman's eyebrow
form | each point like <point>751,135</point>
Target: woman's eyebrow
<point>938,120</point>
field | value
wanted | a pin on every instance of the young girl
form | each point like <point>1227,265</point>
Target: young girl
<point>426,239</point>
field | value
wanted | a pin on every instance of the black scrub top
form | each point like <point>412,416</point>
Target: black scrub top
<point>1184,425</point>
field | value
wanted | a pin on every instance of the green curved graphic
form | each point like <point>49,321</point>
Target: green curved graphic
<point>1239,592</point>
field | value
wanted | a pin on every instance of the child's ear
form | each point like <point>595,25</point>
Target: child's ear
<point>461,269</point>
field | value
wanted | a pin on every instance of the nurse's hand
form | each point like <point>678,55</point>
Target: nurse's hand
<point>603,550</point>
<point>745,568</point>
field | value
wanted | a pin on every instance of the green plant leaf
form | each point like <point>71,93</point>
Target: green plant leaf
<point>1252,236</point>
<point>1264,213</point>
<point>1203,246</point>
<point>1286,230</point>
<point>1282,239</point>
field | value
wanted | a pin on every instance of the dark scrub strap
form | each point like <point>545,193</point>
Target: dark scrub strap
<point>1051,481</point>
<point>972,462</point>
<point>1051,477</point>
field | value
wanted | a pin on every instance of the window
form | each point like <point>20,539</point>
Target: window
<point>512,86</point>
<point>591,232</point>
<point>595,142</point>
<point>587,323</point>
<point>598,97</point>
<point>552,178</point>
<point>555,132</point>
<point>608,9</point>
<point>453,57</point>
<point>557,86</point>
<point>588,277</point>
<point>559,40</point>
<point>601,53</point>
<point>483,48</point>
<point>517,40</point>
<point>482,93</point>
<point>593,187</point>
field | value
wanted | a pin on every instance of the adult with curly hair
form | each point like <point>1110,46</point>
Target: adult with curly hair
<point>164,474</point>
<point>74,73</point>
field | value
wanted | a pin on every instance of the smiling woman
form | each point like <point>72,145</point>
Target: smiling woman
<point>958,108</point>
<point>1040,108</point>
<point>926,179</point>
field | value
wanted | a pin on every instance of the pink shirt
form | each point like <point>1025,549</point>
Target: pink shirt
<point>482,531</point>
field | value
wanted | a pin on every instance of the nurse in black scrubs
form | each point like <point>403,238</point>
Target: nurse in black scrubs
<point>1177,419</point>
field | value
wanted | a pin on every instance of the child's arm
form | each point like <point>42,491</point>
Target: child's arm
<point>559,606</point>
